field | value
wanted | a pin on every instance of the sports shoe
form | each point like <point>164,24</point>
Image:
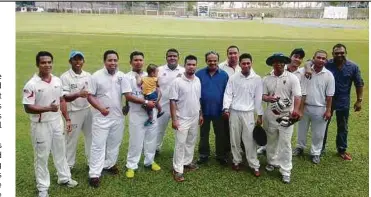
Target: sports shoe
<point>236,167</point>
<point>148,122</point>
<point>130,173</point>
<point>269,167</point>
<point>178,177</point>
<point>190,167</point>
<point>113,170</point>
<point>286,179</point>
<point>71,183</point>
<point>261,150</point>
<point>154,167</point>
<point>160,114</point>
<point>43,193</point>
<point>256,172</point>
<point>316,159</point>
<point>94,182</point>
<point>346,156</point>
<point>297,151</point>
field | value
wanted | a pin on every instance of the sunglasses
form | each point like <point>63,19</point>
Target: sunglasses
<point>339,53</point>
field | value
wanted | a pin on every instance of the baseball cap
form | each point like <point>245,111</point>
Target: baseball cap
<point>277,56</point>
<point>74,53</point>
<point>298,51</point>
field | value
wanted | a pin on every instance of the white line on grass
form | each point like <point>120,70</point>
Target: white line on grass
<point>180,37</point>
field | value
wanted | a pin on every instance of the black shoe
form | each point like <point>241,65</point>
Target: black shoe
<point>202,160</point>
<point>94,182</point>
<point>223,162</point>
<point>160,114</point>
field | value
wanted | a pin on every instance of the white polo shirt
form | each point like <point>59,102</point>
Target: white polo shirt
<point>244,93</point>
<point>187,94</point>
<point>321,84</point>
<point>231,71</point>
<point>41,93</point>
<point>108,90</point>
<point>284,86</point>
<point>166,77</point>
<point>135,90</point>
<point>73,83</point>
<point>300,74</point>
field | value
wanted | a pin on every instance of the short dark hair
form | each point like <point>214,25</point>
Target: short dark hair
<point>189,57</point>
<point>135,53</point>
<point>298,51</point>
<point>108,52</point>
<point>339,45</point>
<point>172,50</point>
<point>233,46</point>
<point>320,51</point>
<point>211,52</point>
<point>151,68</point>
<point>244,56</point>
<point>42,53</point>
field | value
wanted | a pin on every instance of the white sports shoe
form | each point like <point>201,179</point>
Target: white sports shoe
<point>43,193</point>
<point>71,183</point>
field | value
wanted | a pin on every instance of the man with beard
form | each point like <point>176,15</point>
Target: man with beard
<point>106,88</point>
<point>166,75</point>
<point>141,137</point>
<point>213,83</point>
<point>75,83</point>
<point>345,73</point>
<point>185,109</point>
<point>316,106</point>
<point>42,96</point>
<point>242,96</point>
<point>281,89</point>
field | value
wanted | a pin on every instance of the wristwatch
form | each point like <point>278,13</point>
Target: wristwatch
<point>146,102</point>
<point>359,100</point>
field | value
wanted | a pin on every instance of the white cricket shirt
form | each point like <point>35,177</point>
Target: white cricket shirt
<point>166,77</point>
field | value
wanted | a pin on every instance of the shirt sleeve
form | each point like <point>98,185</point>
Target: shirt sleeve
<point>228,95</point>
<point>358,81</point>
<point>29,95</point>
<point>265,86</point>
<point>258,97</point>
<point>65,85</point>
<point>330,89</point>
<point>174,91</point>
<point>92,85</point>
<point>296,90</point>
<point>303,85</point>
<point>125,85</point>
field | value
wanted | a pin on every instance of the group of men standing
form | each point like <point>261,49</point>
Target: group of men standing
<point>228,94</point>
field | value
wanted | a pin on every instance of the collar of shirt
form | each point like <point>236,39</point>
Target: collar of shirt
<point>37,77</point>
<point>73,74</point>
<point>106,71</point>
<point>251,75</point>
<point>186,79</point>
<point>284,74</point>
<point>208,72</point>
<point>167,67</point>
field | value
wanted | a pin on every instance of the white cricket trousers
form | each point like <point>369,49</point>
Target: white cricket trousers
<point>46,137</point>
<point>80,120</point>
<point>107,136</point>
<point>241,125</point>
<point>312,115</point>
<point>162,125</point>
<point>185,141</point>
<point>278,148</point>
<point>141,137</point>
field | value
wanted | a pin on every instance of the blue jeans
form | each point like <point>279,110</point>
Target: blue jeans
<point>342,117</point>
<point>151,97</point>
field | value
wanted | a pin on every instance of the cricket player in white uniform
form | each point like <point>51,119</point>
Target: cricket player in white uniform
<point>75,83</point>
<point>282,92</point>
<point>141,137</point>
<point>42,96</point>
<point>186,115</point>
<point>317,107</point>
<point>166,75</point>
<point>242,96</point>
<point>106,88</point>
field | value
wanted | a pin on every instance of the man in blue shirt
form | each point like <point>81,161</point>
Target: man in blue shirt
<point>345,72</point>
<point>213,83</point>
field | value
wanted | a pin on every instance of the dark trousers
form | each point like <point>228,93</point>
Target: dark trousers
<point>342,130</point>
<point>221,139</point>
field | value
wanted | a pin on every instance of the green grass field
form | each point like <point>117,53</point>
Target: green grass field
<point>93,34</point>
